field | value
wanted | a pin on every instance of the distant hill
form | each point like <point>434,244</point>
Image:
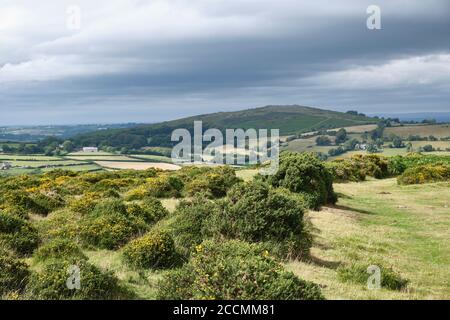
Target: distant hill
<point>292,119</point>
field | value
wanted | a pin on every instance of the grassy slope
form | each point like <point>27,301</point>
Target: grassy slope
<point>405,227</point>
<point>289,119</point>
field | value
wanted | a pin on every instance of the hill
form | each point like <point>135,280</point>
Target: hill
<point>290,120</point>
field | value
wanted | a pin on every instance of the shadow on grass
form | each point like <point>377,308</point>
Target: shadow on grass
<point>347,208</point>
<point>324,263</point>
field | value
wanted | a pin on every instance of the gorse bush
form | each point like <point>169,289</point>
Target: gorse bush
<point>257,213</point>
<point>23,201</point>
<point>160,187</point>
<point>59,249</point>
<point>86,203</point>
<point>48,201</point>
<point>357,273</point>
<point>190,224</point>
<point>215,182</point>
<point>154,250</point>
<point>109,226</point>
<point>150,210</point>
<point>18,234</point>
<point>234,270</point>
<point>425,174</point>
<point>304,173</point>
<point>95,284</point>
<point>14,273</point>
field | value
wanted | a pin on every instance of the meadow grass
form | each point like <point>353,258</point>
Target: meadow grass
<point>403,227</point>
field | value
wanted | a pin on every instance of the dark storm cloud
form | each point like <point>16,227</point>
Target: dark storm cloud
<point>216,56</point>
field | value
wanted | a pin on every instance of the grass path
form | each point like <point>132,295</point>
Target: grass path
<point>405,227</point>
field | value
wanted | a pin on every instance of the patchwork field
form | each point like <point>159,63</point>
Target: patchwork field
<point>438,130</point>
<point>137,165</point>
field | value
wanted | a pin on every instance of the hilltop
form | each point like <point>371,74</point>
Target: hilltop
<point>291,119</point>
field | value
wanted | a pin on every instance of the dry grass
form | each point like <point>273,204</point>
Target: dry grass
<point>403,227</point>
<point>438,130</point>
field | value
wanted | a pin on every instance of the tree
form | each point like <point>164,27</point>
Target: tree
<point>341,136</point>
<point>68,146</point>
<point>397,142</point>
<point>323,141</point>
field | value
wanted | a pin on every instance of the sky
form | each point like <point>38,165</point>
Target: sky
<point>115,61</point>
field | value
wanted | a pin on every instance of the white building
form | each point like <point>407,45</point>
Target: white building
<point>90,149</point>
<point>5,166</point>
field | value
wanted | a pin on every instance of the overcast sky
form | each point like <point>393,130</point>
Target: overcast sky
<point>147,61</point>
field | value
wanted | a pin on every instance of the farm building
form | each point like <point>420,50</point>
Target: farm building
<point>5,166</point>
<point>90,149</point>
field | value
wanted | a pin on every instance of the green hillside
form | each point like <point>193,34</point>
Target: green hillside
<point>290,120</point>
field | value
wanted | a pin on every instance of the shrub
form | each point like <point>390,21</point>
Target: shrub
<point>215,183</point>
<point>60,224</point>
<point>304,173</point>
<point>18,234</point>
<point>257,213</point>
<point>155,250</point>
<point>344,170</point>
<point>14,273</point>
<point>165,186</point>
<point>22,200</point>
<point>357,273</point>
<point>59,249</point>
<point>234,270</point>
<point>189,226</point>
<point>150,210</point>
<point>49,201</point>
<point>85,203</point>
<point>95,284</point>
<point>109,225</point>
<point>425,174</point>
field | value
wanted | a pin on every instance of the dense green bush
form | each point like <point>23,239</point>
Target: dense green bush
<point>234,270</point>
<point>357,273</point>
<point>14,273</point>
<point>18,234</point>
<point>22,200</point>
<point>95,284</point>
<point>344,170</point>
<point>255,212</point>
<point>59,249</point>
<point>49,201</point>
<point>150,210</point>
<point>109,225</point>
<point>85,203</point>
<point>154,250</point>
<point>190,224</point>
<point>60,224</point>
<point>164,186</point>
<point>425,174</point>
<point>215,183</point>
<point>304,173</point>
